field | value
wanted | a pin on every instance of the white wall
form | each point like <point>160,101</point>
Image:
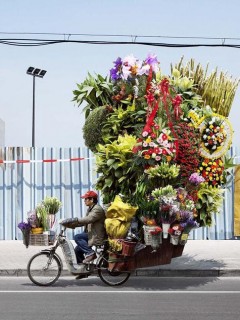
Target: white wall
<point>2,133</point>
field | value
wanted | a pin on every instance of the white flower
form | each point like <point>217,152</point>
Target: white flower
<point>130,60</point>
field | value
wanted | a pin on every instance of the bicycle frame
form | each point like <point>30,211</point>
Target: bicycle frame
<point>45,267</point>
<point>69,255</point>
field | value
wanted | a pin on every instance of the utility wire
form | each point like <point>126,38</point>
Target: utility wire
<point>25,42</point>
<point>121,35</point>
<point>33,43</point>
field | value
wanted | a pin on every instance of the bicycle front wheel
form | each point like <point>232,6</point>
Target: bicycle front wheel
<point>111,278</point>
<point>44,269</point>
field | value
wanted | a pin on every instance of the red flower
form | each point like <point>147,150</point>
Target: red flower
<point>157,230</point>
<point>177,100</point>
<point>157,150</point>
<point>164,152</point>
<point>164,137</point>
<point>164,86</point>
<point>150,98</point>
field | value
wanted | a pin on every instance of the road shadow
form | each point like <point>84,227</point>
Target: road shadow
<point>183,272</point>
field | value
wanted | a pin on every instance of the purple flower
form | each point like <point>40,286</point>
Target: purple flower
<point>151,59</point>
<point>196,179</point>
<point>189,224</point>
<point>185,215</point>
<point>24,226</point>
<point>115,72</point>
<point>153,62</point>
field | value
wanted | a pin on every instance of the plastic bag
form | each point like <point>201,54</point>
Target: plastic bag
<point>116,229</point>
<point>120,210</point>
<point>118,218</point>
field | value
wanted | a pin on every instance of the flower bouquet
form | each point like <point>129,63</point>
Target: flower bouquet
<point>153,236</point>
<point>25,227</point>
<point>175,232</point>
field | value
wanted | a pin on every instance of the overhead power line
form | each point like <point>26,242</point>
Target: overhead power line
<point>134,40</point>
<point>119,35</point>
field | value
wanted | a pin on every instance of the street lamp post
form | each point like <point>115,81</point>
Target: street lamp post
<point>34,72</point>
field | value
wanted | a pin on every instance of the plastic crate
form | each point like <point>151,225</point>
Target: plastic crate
<point>38,240</point>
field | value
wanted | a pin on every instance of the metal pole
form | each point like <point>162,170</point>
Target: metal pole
<point>33,114</point>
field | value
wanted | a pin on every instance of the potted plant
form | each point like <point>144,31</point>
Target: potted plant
<point>42,216</point>
<point>52,206</point>
<point>35,222</point>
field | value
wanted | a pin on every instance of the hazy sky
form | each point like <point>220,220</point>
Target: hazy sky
<point>58,120</point>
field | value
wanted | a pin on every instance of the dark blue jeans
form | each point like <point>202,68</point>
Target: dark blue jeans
<point>82,248</point>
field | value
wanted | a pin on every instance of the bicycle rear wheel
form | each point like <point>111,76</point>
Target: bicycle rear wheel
<point>111,278</point>
<point>44,269</point>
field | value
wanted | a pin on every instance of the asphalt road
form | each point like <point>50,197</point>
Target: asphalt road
<point>140,298</point>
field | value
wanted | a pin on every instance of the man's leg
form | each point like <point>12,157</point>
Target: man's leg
<point>82,247</point>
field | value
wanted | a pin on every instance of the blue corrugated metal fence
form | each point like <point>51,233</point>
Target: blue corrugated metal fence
<point>24,185</point>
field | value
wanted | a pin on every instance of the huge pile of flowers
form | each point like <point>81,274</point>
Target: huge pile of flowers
<point>159,144</point>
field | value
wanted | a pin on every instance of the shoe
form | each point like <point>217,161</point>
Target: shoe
<point>81,276</point>
<point>90,258</point>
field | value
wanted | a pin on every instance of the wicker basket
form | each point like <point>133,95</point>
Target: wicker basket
<point>38,240</point>
<point>148,237</point>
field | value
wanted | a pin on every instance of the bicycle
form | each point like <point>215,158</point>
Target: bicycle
<point>45,267</point>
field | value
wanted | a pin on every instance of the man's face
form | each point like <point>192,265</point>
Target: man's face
<point>88,202</point>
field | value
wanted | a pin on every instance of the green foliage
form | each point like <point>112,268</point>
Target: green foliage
<point>167,191</point>
<point>209,202</point>
<point>114,163</point>
<point>228,173</point>
<point>92,129</point>
<point>52,204</point>
<point>122,120</point>
<point>216,90</point>
<point>42,215</point>
<point>163,174</point>
<point>95,91</point>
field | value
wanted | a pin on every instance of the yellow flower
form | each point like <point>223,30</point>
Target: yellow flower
<point>147,156</point>
<point>148,140</point>
<point>169,158</point>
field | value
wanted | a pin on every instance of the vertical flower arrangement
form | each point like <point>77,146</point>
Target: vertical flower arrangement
<point>162,145</point>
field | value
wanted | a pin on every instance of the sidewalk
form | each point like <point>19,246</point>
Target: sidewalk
<point>200,258</point>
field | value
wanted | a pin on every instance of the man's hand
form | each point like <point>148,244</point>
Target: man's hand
<point>69,223</point>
